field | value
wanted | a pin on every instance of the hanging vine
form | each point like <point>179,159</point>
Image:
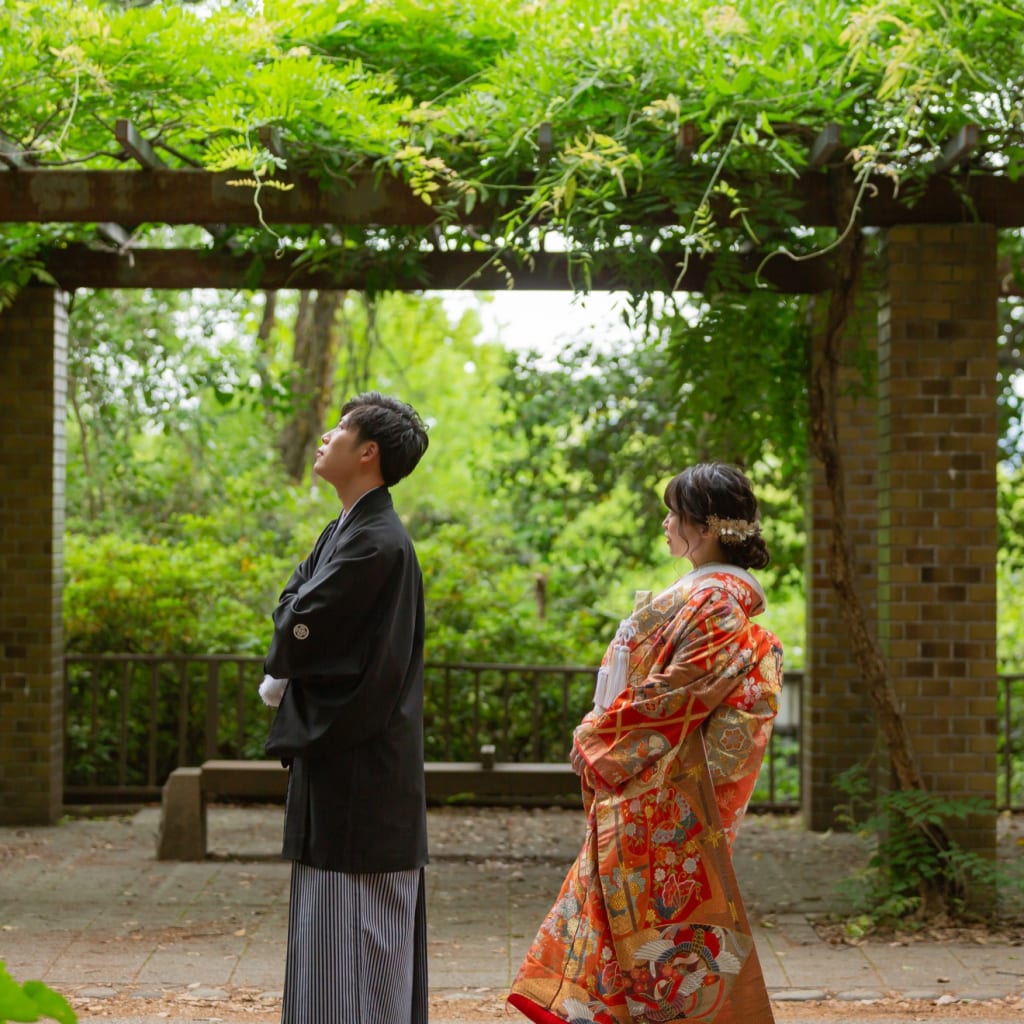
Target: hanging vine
<point>825,445</point>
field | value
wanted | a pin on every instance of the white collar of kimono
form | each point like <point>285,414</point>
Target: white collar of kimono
<point>346,512</point>
<point>718,568</point>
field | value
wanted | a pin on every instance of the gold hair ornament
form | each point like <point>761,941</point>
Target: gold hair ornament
<point>732,531</point>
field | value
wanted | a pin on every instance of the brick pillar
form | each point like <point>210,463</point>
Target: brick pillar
<point>837,717</point>
<point>33,391</point>
<point>937,509</point>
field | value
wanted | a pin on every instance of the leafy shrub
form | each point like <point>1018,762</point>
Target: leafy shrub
<point>198,593</point>
<point>189,595</point>
<point>482,607</point>
<point>911,853</point>
<point>31,1001</point>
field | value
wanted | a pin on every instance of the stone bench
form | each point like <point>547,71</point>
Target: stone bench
<point>187,790</point>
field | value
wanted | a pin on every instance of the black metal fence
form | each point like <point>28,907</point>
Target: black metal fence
<point>131,719</point>
<point>1010,786</point>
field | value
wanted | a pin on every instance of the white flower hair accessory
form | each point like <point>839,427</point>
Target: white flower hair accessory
<point>732,531</point>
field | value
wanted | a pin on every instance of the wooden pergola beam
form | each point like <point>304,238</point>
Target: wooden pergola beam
<point>79,266</point>
<point>958,148</point>
<point>115,234</point>
<point>982,198</point>
<point>17,159</point>
<point>202,198</point>
<point>162,196</point>
<point>686,141</point>
<point>136,146</point>
<point>271,139</point>
<point>825,146</point>
<point>545,139</point>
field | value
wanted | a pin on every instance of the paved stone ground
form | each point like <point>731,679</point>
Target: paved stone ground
<point>87,908</point>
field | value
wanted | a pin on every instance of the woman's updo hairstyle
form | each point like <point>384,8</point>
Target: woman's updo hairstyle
<point>719,497</point>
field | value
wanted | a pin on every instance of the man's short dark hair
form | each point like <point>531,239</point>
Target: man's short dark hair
<point>395,426</point>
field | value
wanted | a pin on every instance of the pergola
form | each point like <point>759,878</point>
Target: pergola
<point>920,456</point>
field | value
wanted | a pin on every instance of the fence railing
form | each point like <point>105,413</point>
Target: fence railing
<point>1010,786</point>
<point>131,719</point>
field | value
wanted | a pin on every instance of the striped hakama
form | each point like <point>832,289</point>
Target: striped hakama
<point>357,948</point>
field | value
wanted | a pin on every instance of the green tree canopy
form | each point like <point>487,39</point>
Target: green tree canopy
<point>450,96</point>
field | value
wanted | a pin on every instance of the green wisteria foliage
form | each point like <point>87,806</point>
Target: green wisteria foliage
<point>451,96</point>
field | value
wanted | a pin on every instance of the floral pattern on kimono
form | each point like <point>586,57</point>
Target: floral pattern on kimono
<point>649,925</point>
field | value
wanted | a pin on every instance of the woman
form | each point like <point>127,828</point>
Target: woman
<point>649,925</point>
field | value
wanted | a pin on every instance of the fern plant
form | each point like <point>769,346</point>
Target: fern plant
<point>912,855</point>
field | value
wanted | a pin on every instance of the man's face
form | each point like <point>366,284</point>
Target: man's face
<point>340,455</point>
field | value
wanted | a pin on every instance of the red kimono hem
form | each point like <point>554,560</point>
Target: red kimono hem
<point>533,1010</point>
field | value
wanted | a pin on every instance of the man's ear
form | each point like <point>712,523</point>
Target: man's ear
<point>371,451</point>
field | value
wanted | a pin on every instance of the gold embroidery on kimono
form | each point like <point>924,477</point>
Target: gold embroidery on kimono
<point>649,925</point>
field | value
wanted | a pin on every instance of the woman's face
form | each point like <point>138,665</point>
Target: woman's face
<point>684,539</point>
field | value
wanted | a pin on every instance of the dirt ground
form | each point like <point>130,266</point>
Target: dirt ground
<point>479,1008</point>
<point>486,1006</point>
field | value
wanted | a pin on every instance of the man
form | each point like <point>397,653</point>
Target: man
<point>348,638</point>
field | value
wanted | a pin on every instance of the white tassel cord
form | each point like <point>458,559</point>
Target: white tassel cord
<point>272,691</point>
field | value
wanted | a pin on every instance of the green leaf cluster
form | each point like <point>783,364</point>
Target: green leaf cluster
<point>450,95</point>
<point>31,1001</point>
<point>182,526</point>
<point>594,433</point>
<point>195,593</point>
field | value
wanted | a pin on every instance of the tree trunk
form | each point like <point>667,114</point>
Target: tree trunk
<point>359,352</point>
<point>93,486</point>
<point>264,354</point>
<point>316,348</point>
<point>825,365</point>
